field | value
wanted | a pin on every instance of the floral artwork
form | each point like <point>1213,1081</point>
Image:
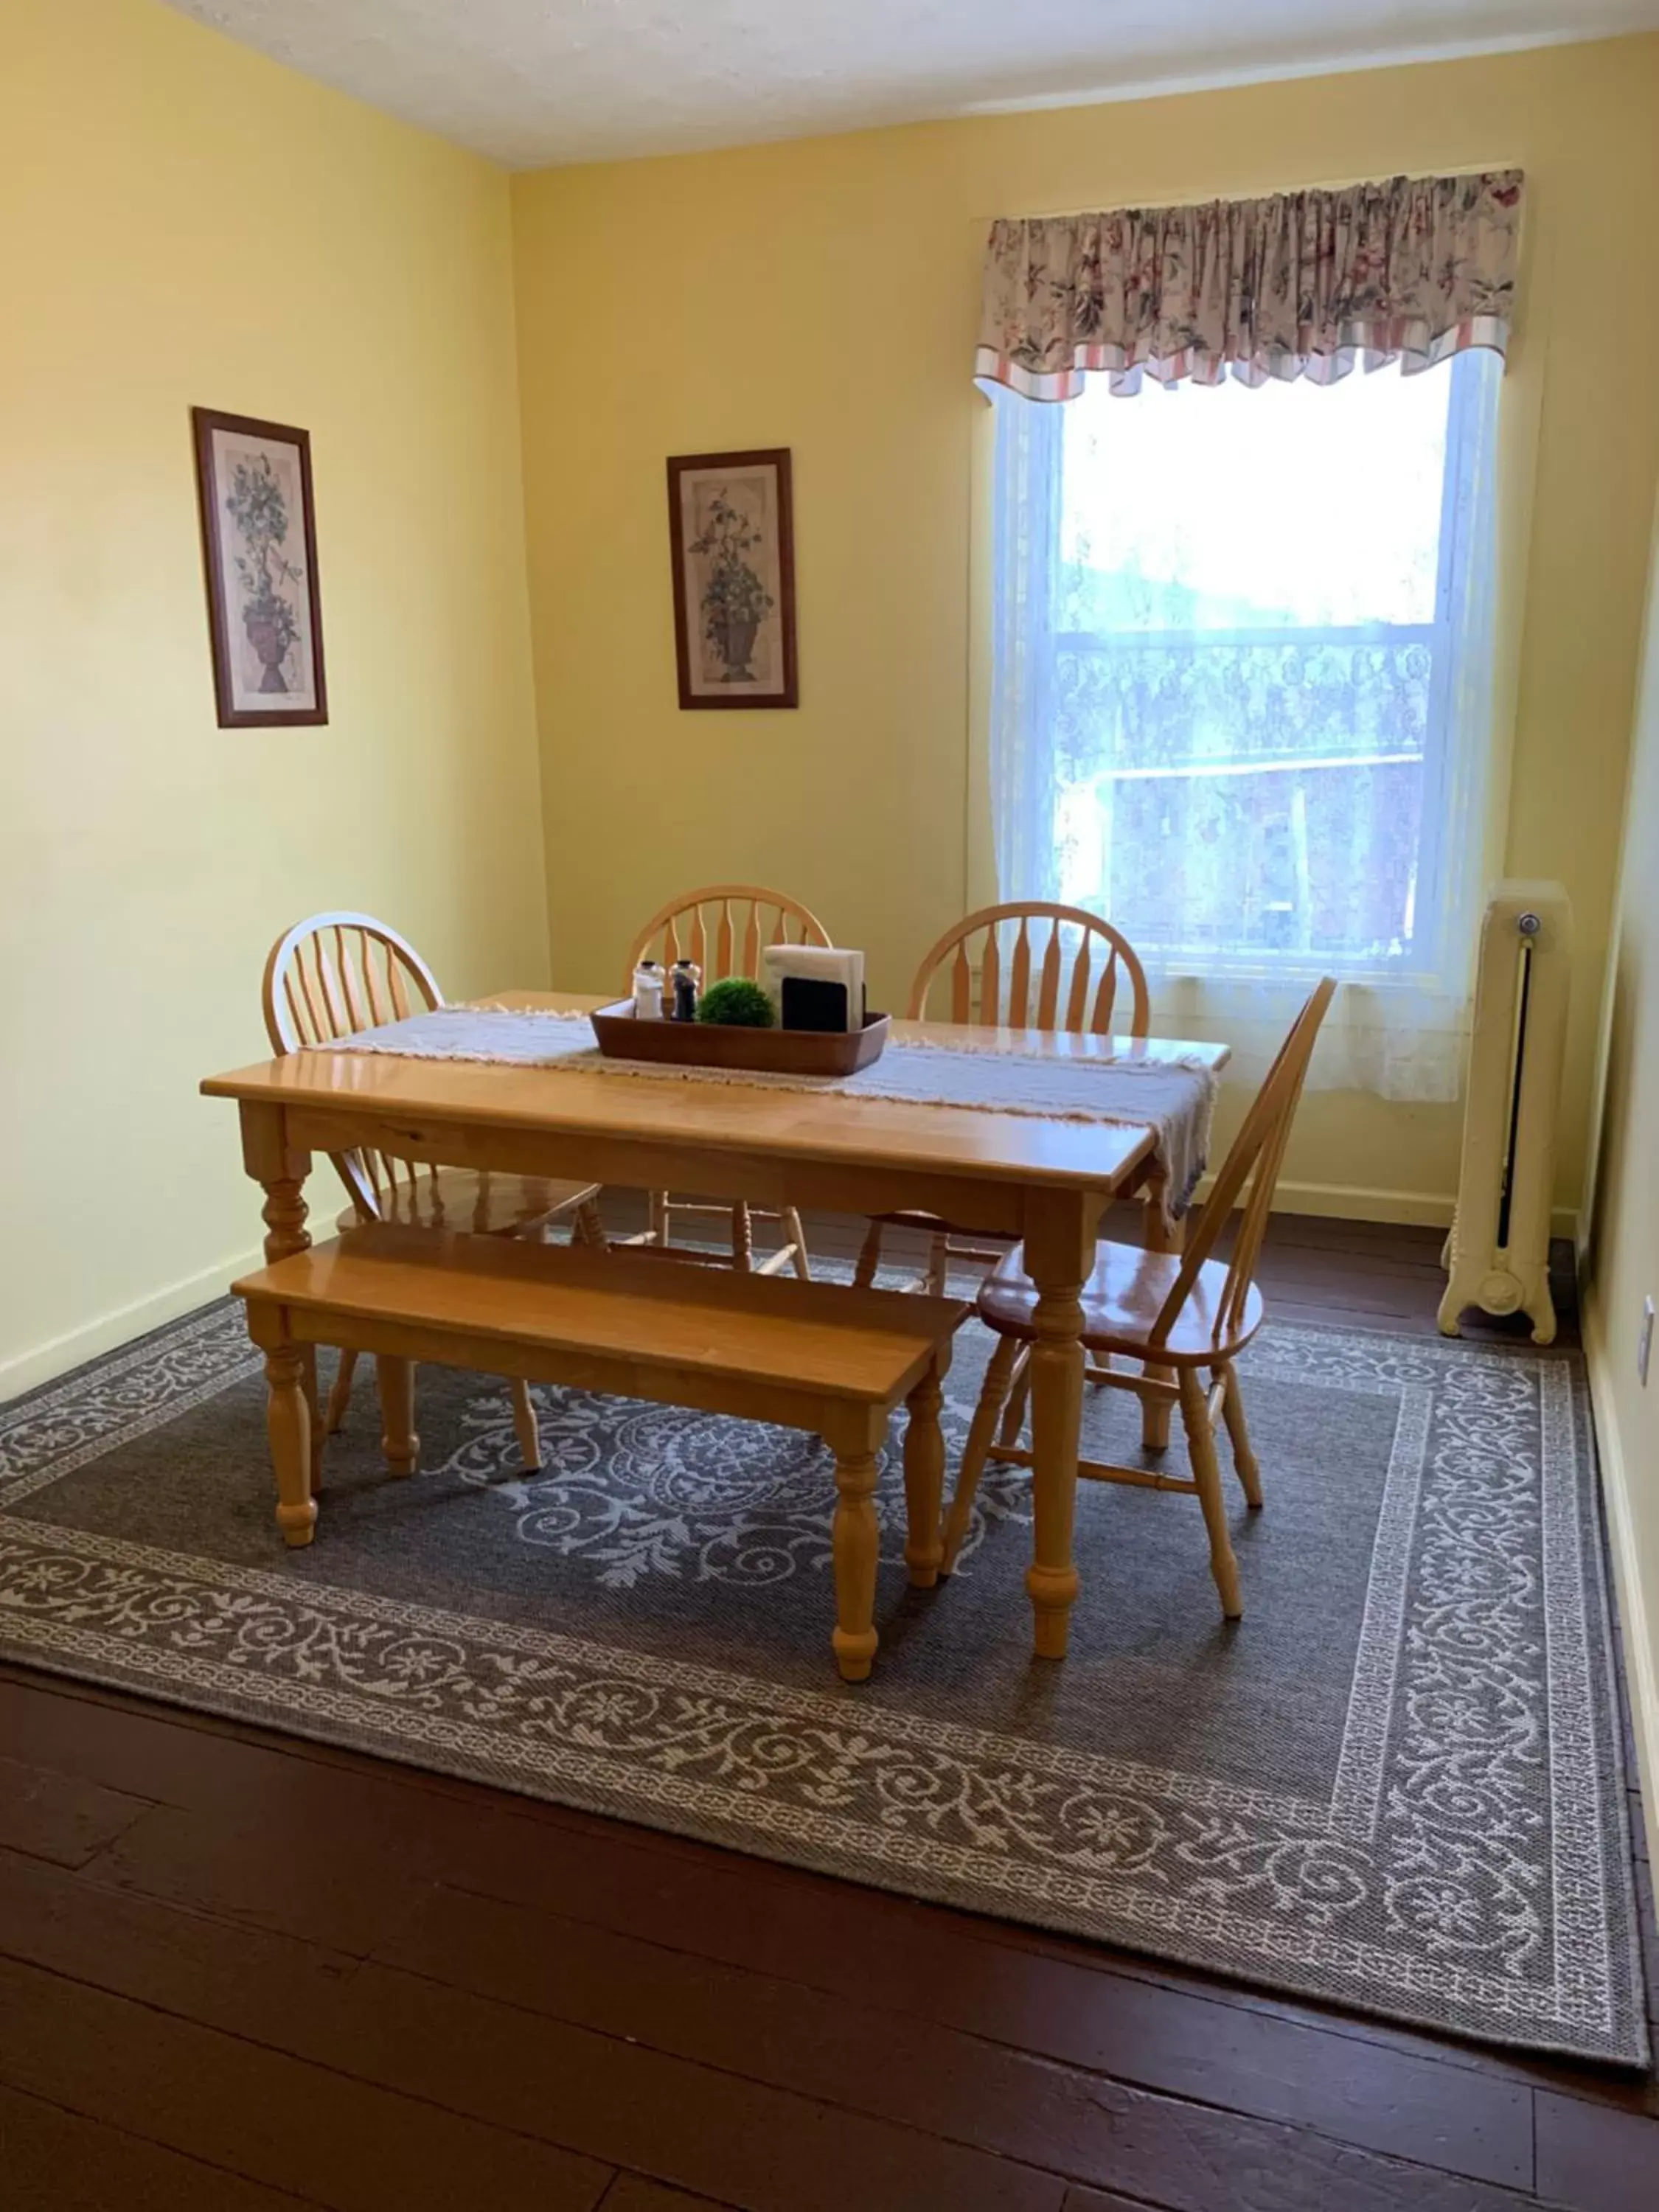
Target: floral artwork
<point>734,609</point>
<point>260,542</point>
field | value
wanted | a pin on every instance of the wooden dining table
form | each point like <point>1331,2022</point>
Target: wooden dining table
<point>1045,1180</point>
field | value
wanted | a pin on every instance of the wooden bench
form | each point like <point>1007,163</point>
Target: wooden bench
<point>814,1356</point>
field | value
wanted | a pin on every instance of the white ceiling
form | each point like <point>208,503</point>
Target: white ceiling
<point>530,81</point>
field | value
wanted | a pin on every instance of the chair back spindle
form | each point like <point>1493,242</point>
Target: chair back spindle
<point>1256,1156</point>
<point>1078,962</point>
<point>330,976</point>
<point>739,920</point>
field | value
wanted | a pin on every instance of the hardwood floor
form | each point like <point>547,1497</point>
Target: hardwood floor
<point>241,1970</point>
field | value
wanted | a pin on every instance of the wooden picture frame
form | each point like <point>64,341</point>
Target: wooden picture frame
<point>731,521</point>
<point>264,609</point>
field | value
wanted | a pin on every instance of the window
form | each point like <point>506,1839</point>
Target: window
<point>1242,646</point>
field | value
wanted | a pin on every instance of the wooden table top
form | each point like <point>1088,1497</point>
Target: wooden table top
<point>1023,1148</point>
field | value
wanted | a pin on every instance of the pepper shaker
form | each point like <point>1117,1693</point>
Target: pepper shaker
<point>684,976</point>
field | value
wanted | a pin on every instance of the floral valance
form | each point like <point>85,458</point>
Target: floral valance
<point>1410,269</point>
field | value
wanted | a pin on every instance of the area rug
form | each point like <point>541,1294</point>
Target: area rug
<point>1396,1784</point>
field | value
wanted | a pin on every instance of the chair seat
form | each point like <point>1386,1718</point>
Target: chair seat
<point>484,1205</point>
<point>1122,1299</point>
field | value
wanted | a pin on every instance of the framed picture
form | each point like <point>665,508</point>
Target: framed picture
<point>259,543</point>
<point>732,533</point>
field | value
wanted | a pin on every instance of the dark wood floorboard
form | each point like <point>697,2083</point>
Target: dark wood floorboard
<point>241,1970</point>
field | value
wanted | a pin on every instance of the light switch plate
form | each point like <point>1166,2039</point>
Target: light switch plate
<point>1644,1343</point>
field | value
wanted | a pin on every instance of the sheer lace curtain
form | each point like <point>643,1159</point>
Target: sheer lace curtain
<point>1242,649</point>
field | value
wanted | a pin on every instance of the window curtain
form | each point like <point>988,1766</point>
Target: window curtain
<point>1410,269</point>
<point>1413,271</point>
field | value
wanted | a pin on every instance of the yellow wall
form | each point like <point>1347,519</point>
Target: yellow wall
<point>1621,1261</point>
<point>822,294</point>
<point>182,222</point>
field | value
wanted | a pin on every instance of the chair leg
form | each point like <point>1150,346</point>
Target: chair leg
<point>1206,1472</point>
<point>1244,1460</point>
<point>1014,1420</point>
<point>524,1424</point>
<point>869,1258</point>
<point>658,1231</point>
<point>855,1541</point>
<point>938,1265</point>
<point>993,1393</point>
<point>743,1239</point>
<point>587,1228</point>
<point>315,1408</point>
<point>924,1475</point>
<point>399,1441</point>
<point>796,1236</point>
<point>340,1398</point>
<point>1159,1234</point>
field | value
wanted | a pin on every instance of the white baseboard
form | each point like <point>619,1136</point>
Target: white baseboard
<point>1640,1673</point>
<point>1348,1202</point>
<point>59,1354</point>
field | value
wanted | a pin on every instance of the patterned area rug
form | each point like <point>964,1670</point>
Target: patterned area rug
<point>1396,1784</point>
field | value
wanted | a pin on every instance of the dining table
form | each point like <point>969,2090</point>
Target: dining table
<point>1044,1179</point>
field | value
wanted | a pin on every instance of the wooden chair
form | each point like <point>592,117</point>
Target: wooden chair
<point>1166,1310</point>
<point>333,975</point>
<point>1019,988</point>
<point>723,928</point>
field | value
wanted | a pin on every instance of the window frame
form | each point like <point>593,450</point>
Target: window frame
<point>1038,471</point>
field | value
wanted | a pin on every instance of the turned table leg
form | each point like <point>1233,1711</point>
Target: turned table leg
<point>1059,1253</point>
<point>281,1172</point>
<point>924,1476</point>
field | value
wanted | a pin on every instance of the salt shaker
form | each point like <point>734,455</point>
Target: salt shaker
<point>647,991</point>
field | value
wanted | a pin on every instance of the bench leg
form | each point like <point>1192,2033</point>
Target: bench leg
<point>288,1423</point>
<point>856,1542</point>
<point>924,1476</point>
<point>399,1442</point>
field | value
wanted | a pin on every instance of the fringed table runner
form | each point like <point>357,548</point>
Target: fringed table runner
<point>1172,1096</point>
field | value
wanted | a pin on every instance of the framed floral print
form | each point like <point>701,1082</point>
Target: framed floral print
<point>731,532</point>
<point>259,545</point>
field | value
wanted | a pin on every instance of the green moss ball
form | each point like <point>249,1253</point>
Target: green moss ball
<point>736,1004</point>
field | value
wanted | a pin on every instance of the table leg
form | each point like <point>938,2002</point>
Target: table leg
<point>1161,1234</point>
<point>1059,1253</point>
<point>282,1173</point>
<point>924,1476</point>
<point>856,1541</point>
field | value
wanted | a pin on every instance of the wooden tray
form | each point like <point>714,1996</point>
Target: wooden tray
<point>719,1044</point>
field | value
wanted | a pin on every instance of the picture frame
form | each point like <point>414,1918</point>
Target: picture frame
<point>259,554</point>
<point>731,519</point>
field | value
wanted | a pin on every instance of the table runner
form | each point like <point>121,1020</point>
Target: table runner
<point>1175,1098</point>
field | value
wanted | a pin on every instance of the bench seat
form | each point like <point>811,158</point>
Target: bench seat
<point>814,1356</point>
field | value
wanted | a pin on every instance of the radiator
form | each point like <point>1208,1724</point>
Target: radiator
<point>1498,1252</point>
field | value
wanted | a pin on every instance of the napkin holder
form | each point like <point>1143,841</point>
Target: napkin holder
<point>816,988</point>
